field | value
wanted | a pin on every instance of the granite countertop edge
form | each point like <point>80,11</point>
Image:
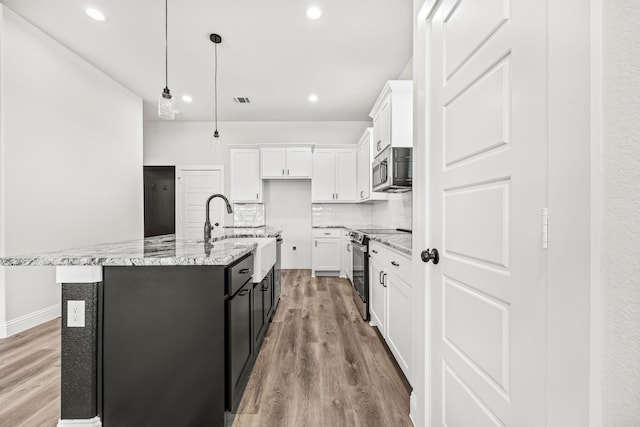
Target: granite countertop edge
<point>166,250</point>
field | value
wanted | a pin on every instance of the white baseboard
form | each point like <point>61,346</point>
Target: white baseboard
<point>30,320</point>
<point>93,422</point>
<point>413,408</point>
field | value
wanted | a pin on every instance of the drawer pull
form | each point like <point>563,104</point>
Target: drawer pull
<point>395,264</point>
<point>244,271</point>
<point>374,251</point>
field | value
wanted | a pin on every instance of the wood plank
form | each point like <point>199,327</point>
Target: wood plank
<point>324,366</point>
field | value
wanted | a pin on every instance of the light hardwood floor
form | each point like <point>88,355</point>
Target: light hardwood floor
<point>30,377</point>
<point>320,365</point>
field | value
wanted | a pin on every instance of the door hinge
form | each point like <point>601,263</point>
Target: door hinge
<point>545,228</point>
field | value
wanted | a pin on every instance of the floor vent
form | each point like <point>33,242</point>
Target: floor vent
<point>242,100</point>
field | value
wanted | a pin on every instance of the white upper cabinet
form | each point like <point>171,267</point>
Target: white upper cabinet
<point>286,163</point>
<point>365,155</point>
<point>392,116</point>
<point>246,185</point>
<point>334,176</point>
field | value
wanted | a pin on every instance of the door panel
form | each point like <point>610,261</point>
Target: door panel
<point>487,187</point>
<point>196,185</point>
<point>467,26</point>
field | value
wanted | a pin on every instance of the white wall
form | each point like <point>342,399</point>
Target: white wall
<point>621,212</point>
<point>288,207</point>
<point>395,212</point>
<point>70,165</point>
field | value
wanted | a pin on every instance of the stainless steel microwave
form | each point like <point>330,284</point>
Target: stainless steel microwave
<point>392,170</point>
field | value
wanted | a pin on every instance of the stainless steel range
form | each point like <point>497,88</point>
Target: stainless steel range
<point>360,245</point>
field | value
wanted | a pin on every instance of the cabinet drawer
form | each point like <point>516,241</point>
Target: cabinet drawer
<point>327,232</point>
<point>238,274</point>
<point>399,266</point>
<point>377,253</point>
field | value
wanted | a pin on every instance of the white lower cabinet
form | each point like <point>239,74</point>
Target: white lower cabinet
<point>399,320</point>
<point>326,254</point>
<point>377,298</point>
<point>390,301</point>
<point>347,255</point>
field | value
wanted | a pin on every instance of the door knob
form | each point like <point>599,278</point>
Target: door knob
<point>430,255</point>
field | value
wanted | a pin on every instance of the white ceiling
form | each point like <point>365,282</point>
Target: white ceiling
<point>270,52</point>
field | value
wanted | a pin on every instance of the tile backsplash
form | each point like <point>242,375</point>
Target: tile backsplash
<point>395,212</point>
<point>248,215</point>
<point>392,213</point>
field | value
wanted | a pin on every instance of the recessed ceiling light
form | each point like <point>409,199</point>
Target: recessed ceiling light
<point>314,12</point>
<point>313,97</point>
<point>187,98</point>
<point>95,14</point>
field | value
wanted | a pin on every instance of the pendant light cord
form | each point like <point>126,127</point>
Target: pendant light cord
<point>166,49</point>
<point>215,85</point>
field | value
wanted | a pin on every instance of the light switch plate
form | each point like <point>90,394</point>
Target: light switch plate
<point>75,314</point>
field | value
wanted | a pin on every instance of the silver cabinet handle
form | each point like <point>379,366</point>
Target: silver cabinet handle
<point>287,172</point>
<point>395,264</point>
<point>327,234</point>
<point>257,196</point>
<point>380,278</point>
<point>316,243</point>
<point>282,172</point>
<point>348,248</point>
<point>374,251</point>
<point>337,196</point>
<point>383,276</point>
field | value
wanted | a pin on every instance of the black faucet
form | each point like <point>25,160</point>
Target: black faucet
<point>207,223</point>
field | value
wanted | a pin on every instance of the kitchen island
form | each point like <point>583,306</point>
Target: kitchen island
<point>146,328</point>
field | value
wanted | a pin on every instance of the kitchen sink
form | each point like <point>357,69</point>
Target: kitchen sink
<point>264,256</point>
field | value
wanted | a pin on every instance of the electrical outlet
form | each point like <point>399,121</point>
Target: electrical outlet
<point>75,314</point>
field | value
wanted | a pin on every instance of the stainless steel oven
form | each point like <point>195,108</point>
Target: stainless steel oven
<point>360,254</point>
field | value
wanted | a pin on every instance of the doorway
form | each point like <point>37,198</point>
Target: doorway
<point>159,200</point>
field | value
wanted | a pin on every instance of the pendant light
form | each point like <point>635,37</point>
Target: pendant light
<point>216,39</point>
<point>165,101</point>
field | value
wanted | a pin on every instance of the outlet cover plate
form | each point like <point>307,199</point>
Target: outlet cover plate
<point>75,314</point>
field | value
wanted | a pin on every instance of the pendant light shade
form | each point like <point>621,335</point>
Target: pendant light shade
<point>165,100</point>
<point>216,39</point>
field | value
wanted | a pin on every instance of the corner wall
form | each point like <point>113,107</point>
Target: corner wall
<point>621,210</point>
<point>70,165</point>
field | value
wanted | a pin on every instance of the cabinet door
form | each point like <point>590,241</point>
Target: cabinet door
<point>377,298</point>
<point>382,126</point>
<point>346,190</point>
<point>399,321</point>
<point>246,185</point>
<point>324,175</point>
<point>258,316</point>
<point>298,162</point>
<point>364,170</point>
<point>326,254</point>
<point>273,162</point>
<point>239,312</point>
<point>267,296</point>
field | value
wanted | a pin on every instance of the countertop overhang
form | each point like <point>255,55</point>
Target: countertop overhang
<point>164,250</point>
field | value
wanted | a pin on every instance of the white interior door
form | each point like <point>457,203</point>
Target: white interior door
<point>195,185</point>
<point>487,187</point>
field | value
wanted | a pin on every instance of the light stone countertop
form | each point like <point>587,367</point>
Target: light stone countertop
<point>158,250</point>
<point>401,241</point>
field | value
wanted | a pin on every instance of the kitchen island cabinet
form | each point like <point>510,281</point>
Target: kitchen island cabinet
<point>146,329</point>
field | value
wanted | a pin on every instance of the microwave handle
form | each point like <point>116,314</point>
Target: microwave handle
<point>383,171</point>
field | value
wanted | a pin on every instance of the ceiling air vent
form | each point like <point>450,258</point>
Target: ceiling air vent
<point>242,100</point>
